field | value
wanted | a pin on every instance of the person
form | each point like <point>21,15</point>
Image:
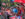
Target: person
<point>2,15</point>
<point>9,12</point>
<point>5,14</point>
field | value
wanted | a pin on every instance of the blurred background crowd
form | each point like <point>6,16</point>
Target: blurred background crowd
<point>12,10</point>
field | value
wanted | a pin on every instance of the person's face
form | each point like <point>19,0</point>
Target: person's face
<point>9,11</point>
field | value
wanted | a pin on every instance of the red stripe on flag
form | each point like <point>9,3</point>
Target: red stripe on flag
<point>20,1</point>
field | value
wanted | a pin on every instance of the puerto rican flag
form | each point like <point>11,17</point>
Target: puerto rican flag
<point>17,1</point>
<point>12,17</point>
<point>20,1</point>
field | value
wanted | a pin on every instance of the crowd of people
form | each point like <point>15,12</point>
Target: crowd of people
<point>12,10</point>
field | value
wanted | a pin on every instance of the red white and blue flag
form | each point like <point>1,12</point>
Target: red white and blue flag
<point>20,1</point>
